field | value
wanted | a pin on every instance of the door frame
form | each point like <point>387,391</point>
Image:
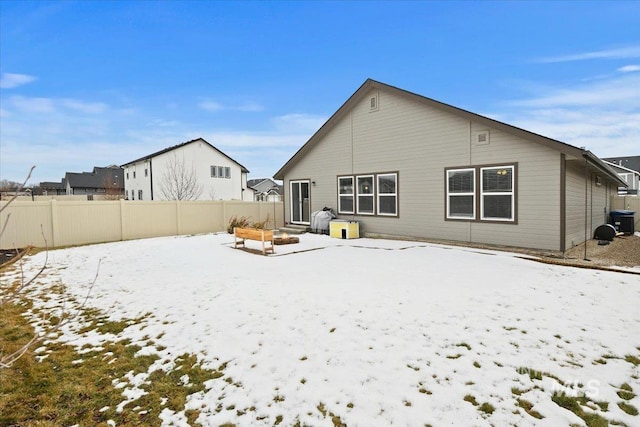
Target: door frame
<point>299,182</point>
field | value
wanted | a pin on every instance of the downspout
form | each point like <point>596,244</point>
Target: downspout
<point>586,182</point>
<point>151,177</point>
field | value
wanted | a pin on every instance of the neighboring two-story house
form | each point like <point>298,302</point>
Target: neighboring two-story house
<point>193,170</point>
<point>266,190</point>
<point>628,168</point>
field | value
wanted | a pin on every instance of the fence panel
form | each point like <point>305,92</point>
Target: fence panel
<point>631,203</point>
<point>82,222</point>
<point>86,222</point>
<point>28,221</point>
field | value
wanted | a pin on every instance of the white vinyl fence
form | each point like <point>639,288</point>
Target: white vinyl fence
<point>82,222</point>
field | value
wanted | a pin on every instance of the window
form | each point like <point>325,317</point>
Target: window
<point>127,175</point>
<point>387,194</point>
<point>365,195</point>
<point>146,172</point>
<point>489,190</point>
<point>220,171</point>
<point>134,174</point>
<point>461,193</point>
<point>345,194</point>
<point>133,195</point>
<point>497,197</point>
<point>227,172</point>
<point>139,194</point>
<point>214,169</point>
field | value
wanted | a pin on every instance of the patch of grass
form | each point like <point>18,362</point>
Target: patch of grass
<point>476,364</point>
<point>634,360</point>
<point>454,356</point>
<point>471,399</point>
<point>574,404</point>
<point>337,422</point>
<point>528,408</point>
<point>626,392</point>
<point>58,390</point>
<point>464,344</point>
<point>487,408</point>
<point>628,408</point>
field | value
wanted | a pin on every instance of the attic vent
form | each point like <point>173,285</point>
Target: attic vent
<point>482,138</point>
<point>373,102</point>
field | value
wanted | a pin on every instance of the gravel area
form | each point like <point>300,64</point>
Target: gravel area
<point>623,251</point>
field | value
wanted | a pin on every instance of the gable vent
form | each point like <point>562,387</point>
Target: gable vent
<point>482,137</point>
<point>373,102</point>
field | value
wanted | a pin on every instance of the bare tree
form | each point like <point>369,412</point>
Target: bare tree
<point>179,182</point>
<point>10,292</point>
<point>112,190</point>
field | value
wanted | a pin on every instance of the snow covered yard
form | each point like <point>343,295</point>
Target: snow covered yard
<point>366,332</point>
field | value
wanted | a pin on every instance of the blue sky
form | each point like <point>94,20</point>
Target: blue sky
<point>90,83</point>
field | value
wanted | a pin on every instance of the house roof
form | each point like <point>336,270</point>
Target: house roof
<point>629,162</point>
<point>622,169</point>
<point>370,84</point>
<point>254,182</point>
<point>265,185</point>
<point>95,179</point>
<point>52,185</point>
<point>166,150</point>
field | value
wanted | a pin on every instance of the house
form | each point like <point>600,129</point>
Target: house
<point>266,190</point>
<point>53,188</point>
<point>628,168</point>
<point>409,166</point>
<point>102,181</point>
<point>193,170</point>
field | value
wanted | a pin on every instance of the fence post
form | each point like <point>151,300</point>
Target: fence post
<point>54,223</point>
<point>224,215</point>
<point>178,217</point>
<point>122,220</point>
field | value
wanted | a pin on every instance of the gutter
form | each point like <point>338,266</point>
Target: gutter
<point>603,167</point>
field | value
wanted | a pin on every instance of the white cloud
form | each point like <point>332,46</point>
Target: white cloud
<point>620,91</point>
<point>11,80</point>
<point>84,107</point>
<point>297,122</point>
<point>602,115</point>
<point>629,68</point>
<point>214,106</point>
<point>250,107</point>
<point>210,106</point>
<point>32,105</point>
<point>617,53</point>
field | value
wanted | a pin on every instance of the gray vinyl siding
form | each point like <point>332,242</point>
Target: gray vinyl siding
<point>598,204</point>
<point>419,141</point>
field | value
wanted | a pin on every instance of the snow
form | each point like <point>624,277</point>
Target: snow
<point>378,332</point>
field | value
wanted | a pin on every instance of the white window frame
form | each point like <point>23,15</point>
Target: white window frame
<point>220,171</point>
<point>471,193</point>
<point>214,170</point>
<point>227,172</point>
<point>352,194</point>
<point>394,194</point>
<point>372,195</point>
<point>499,193</point>
<point>140,195</point>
